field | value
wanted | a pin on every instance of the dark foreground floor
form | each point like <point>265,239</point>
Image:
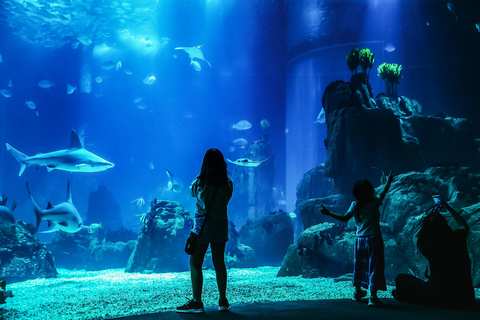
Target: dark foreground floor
<point>322,309</point>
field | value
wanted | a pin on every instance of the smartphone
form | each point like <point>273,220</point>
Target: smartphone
<point>437,200</point>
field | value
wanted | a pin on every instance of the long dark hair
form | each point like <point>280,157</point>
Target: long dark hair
<point>434,233</point>
<point>214,168</point>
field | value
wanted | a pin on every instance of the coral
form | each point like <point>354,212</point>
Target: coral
<point>390,73</point>
<point>366,61</point>
<point>353,60</point>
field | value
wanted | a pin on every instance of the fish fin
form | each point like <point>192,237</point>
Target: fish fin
<point>49,223</point>
<point>54,229</point>
<point>49,206</point>
<point>169,174</point>
<point>69,193</point>
<point>75,141</point>
<point>20,157</point>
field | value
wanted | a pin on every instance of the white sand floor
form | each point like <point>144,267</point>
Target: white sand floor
<point>114,293</point>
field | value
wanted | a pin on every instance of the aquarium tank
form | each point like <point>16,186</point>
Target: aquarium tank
<point>107,108</point>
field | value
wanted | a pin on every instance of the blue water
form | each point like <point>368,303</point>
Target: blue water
<point>269,60</point>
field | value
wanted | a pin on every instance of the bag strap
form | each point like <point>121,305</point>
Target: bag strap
<point>211,201</point>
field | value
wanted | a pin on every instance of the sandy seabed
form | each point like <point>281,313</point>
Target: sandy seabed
<point>113,293</point>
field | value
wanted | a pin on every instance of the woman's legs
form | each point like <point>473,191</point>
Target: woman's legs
<point>218,259</point>
<point>196,275</point>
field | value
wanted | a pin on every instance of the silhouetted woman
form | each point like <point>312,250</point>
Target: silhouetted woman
<point>213,190</point>
<point>449,284</point>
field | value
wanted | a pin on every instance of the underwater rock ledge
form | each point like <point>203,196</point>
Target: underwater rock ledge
<point>326,249</point>
<point>389,133</point>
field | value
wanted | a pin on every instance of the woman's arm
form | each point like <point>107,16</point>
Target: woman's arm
<point>462,224</point>
<point>344,218</point>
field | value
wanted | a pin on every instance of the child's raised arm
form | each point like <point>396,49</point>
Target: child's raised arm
<point>383,193</point>
<point>344,218</point>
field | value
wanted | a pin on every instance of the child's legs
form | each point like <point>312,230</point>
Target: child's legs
<point>376,264</point>
<point>360,264</point>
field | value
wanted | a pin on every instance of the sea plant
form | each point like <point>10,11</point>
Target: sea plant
<point>353,60</point>
<point>390,73</point>
<point>362,58</point>
<point>366,61</point>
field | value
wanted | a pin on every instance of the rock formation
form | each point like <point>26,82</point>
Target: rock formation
<point>326,249</point>
<point>366,136</point>
<point>269,236</point>
<point>99,250</point>
<point>22,256</point>
<point>161,241</point>
<point>253,196</point>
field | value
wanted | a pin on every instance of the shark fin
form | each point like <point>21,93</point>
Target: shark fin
<point>49,168</point>
<point>75,141</point>
<point>69,193</point>
<point>49,206</point>
<point>49,223</point>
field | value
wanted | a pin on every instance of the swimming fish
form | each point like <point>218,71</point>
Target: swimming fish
<point>164,41</point>
<point>321,117</point>
<point>265,124</point>
<point>127,71</point>
<point>240,142</point>
<point>242,125</point>
<point>10,83</point>
<point>31,105</point>
<point>64,216</point>
<point>194,53</point>
<point>452,9</point>
<point>107,65</point>
<point>45,84</point>
<point>94,227</point>
<point>85,40</point>
<point>149,80</point>
<point>477,25</point>
<point>6,93</point>
<point>173,185</point>
<point>244,162</point>
<point>71,89</point>
<point>73,159</point>
<point>389,47</point>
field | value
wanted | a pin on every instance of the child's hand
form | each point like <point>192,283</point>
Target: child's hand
<point>390,176</point>
<point>324,210</point>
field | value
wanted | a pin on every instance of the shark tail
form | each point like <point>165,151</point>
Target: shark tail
<point>36,208</point>
<point>20,157</point>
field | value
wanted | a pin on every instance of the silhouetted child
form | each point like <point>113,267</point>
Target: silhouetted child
<point>369,260</point>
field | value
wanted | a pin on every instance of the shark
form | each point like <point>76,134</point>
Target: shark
<point>74,159</point>
<point>195,53</point>
<point>64,216</point>
<point>244,162</point>
<point>173,185</point>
